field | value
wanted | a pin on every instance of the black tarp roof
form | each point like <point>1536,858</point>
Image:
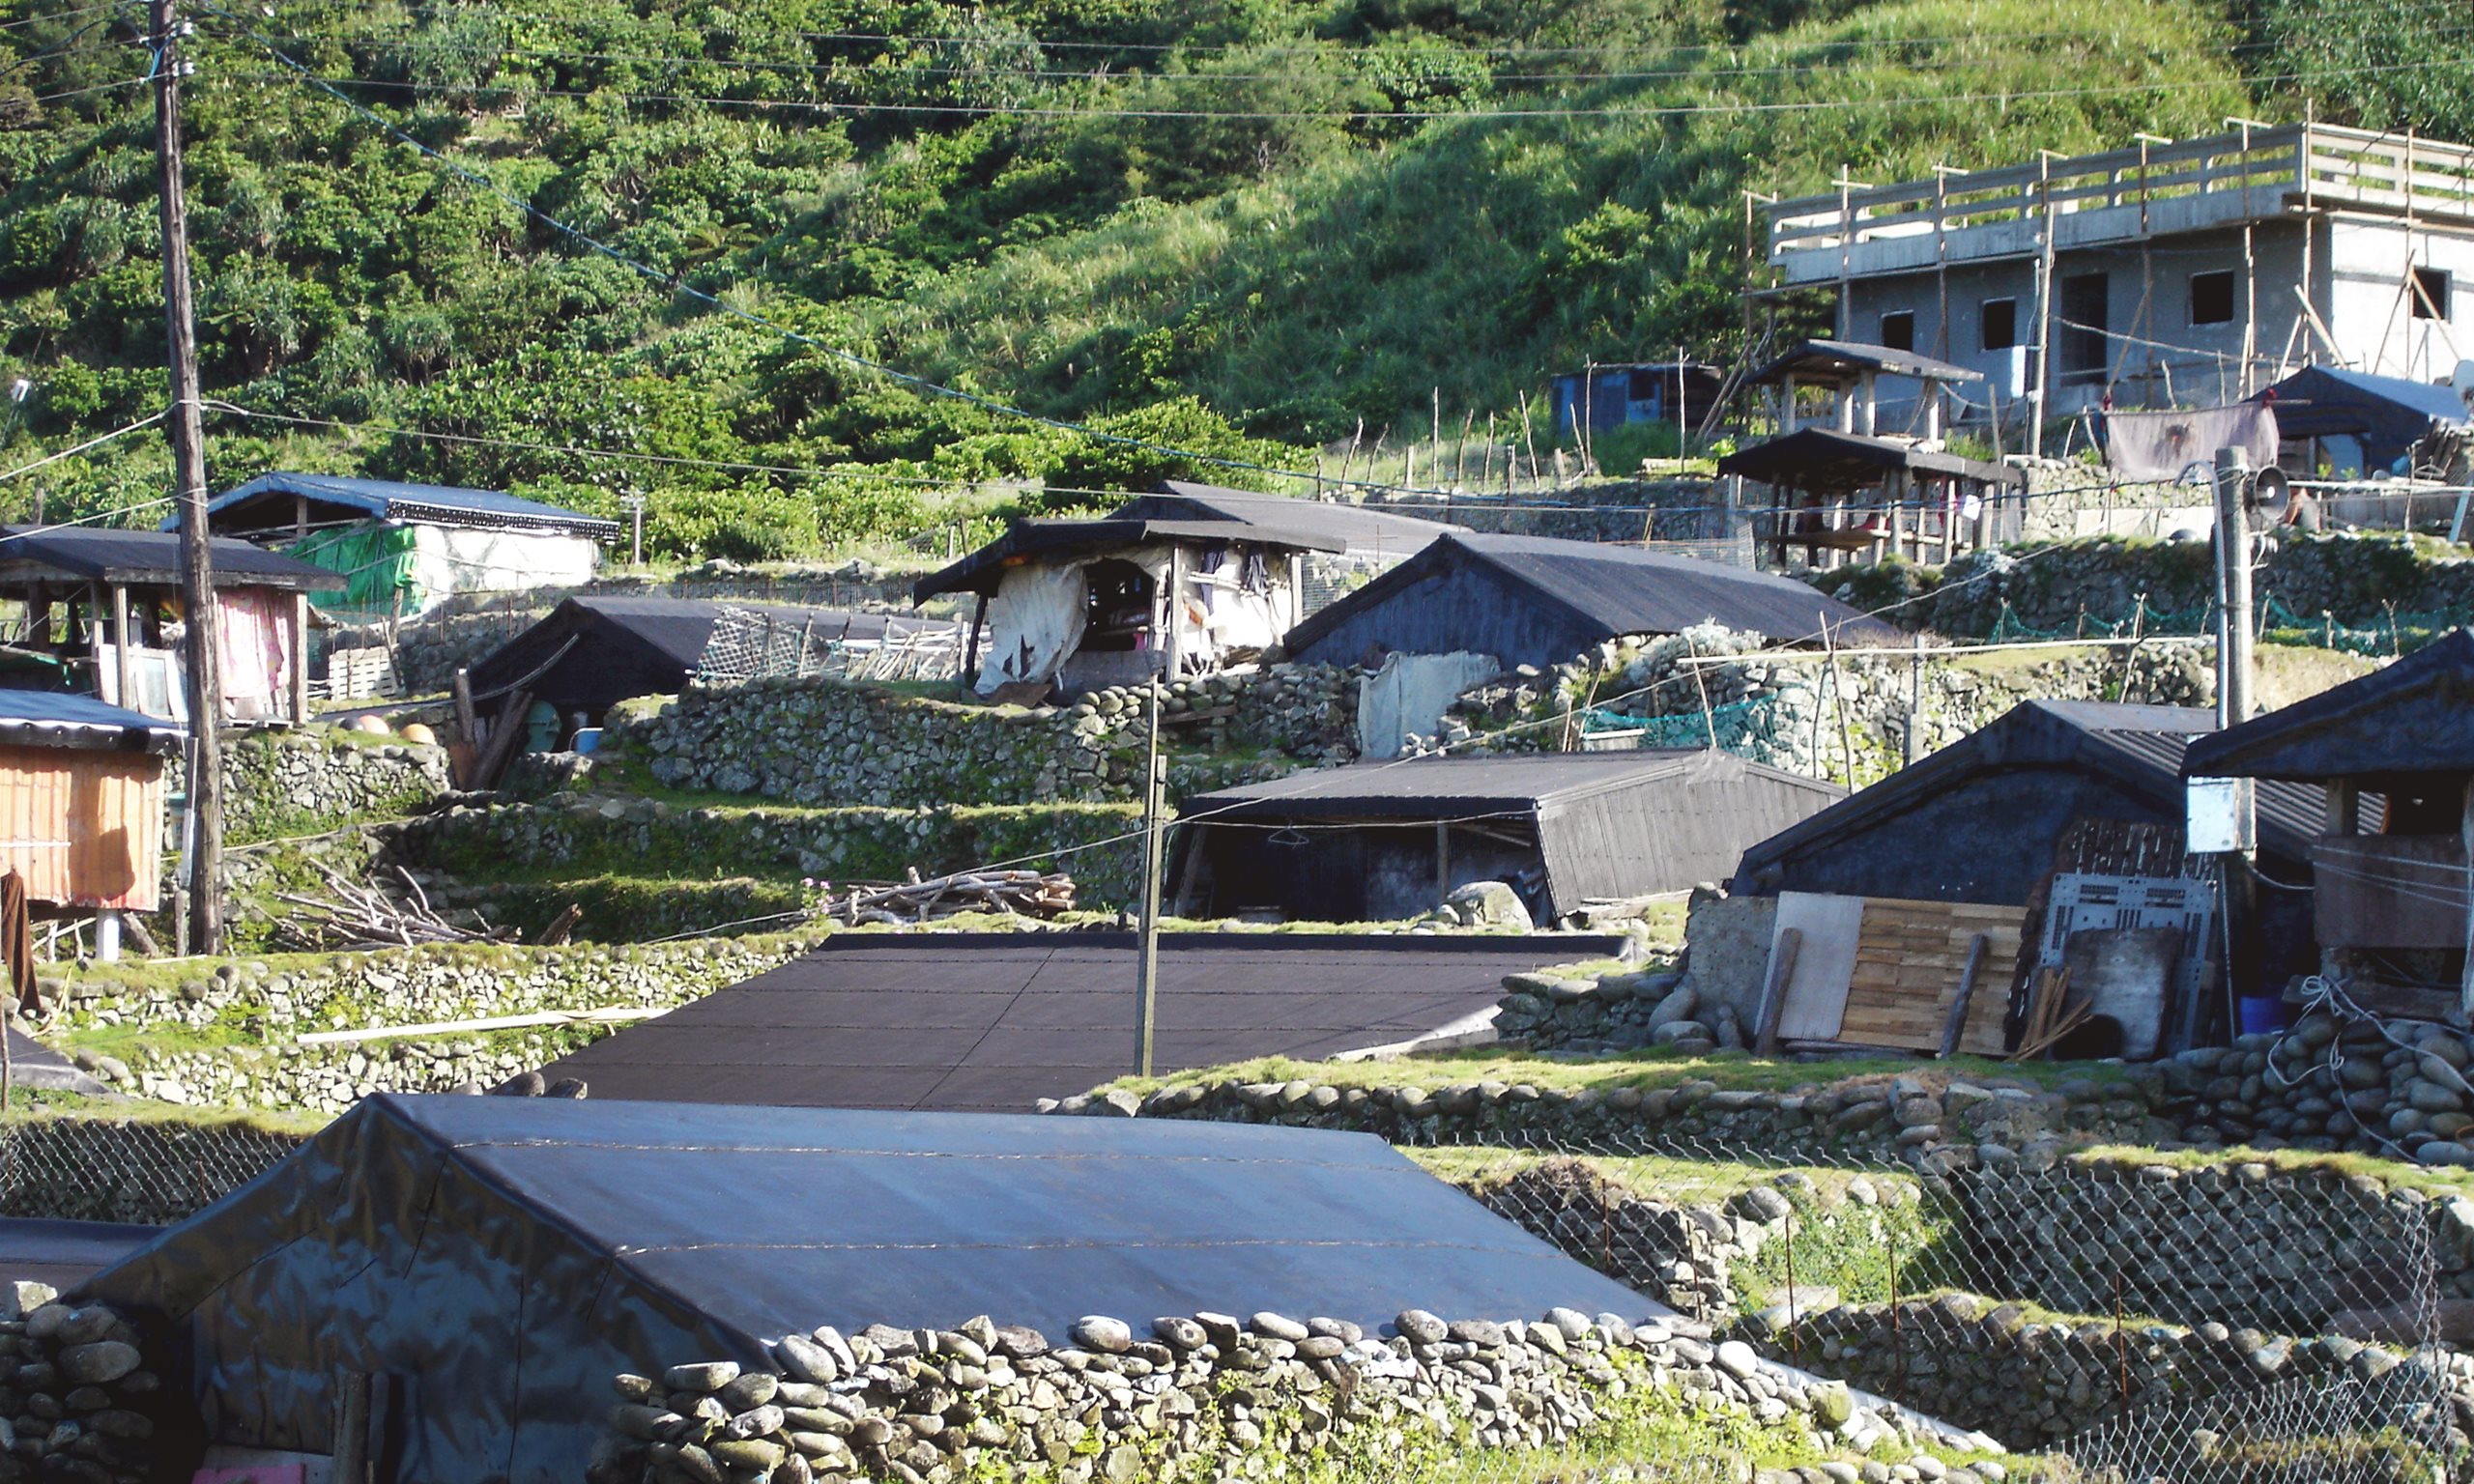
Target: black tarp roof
<point>1538,600</point>
<point>147,559</point>
<point>992,1023</point>
<point>1824,459</point>
<point>1608,824</point>
<point>1063,539</point>
<point>63,719</point>
<point>2389,414</point>
<point>2138,748</point>
<point>2415,716</point>
<point>506,1257</point>
<point>1364,531</point>
<point>601,650</point>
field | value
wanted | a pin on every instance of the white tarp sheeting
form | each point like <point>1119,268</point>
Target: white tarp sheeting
<point>1034,621</point>
<point>451,560</point>
<point>1408,695</point>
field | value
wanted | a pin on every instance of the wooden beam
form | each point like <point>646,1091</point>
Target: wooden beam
<point>1773,995</point>
<point>2465,984</point>
<point>2344,807</point>
<point>120,646</point>
<point>1956,1026</point>
<point>300,659</point>
<point>970,653</point>
<point>1442,860</point>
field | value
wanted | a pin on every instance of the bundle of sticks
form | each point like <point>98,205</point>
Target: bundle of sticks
<point>1029,892</point>
<point>363,916</point>
<point>2052,1013</point>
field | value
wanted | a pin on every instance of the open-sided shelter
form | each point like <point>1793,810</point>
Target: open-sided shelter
<point>405,548</point>
<point>994,1022</point>
<point>2390,756</point>
<point>1539,600</point>
<point>496,1261</point>
<point>81,790</point>
<point>593,652</point>
<point>103,608</point>
<point>1383,841</point>
<point>1086,603</point>
<point>1872,470</point>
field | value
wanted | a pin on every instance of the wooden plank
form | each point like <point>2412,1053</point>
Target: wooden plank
<point>1815,994</point>
<point>1913,961</point>
<point>1955,1029</point>
<point>1773,995</point>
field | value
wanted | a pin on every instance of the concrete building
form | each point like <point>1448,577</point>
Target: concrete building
<point>2188,273</point>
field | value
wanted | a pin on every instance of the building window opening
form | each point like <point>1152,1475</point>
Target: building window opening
<point>1898,329</point>
<point>1117,612</point>
<point>2000,324</point>
<point>2431,293</point>
<point>2212,298</point>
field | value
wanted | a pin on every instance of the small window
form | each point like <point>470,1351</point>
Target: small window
<point>2431,293</point>
<point>1898,329</point>
<point>2212,298</point>
<point>2000,324</point>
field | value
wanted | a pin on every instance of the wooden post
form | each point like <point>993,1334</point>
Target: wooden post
<point>2041,392</point>
<point>1442,860</point>
<point>1914,700</point>
<point>120,647</point>
<point>2344,807</point>
<point>2465,835</point>
<point>1838,689</point>
<point>970,651</point>
<point>1955,1028</point>
<point>300,659</point>
<point>1146,967</point>
<point>94,606</point>
<point>1773,993</point>
<point>1172,629</point>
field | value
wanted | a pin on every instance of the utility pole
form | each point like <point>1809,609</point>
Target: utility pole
<point>184,425</point>
<point>2233,588</point>
<point>1147,962</point>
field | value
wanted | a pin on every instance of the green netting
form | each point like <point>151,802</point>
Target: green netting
<point>2395,633</point>
<point>377,563</point>
<point>1731,728</point>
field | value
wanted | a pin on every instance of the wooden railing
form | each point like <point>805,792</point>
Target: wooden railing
<point>2316,163</point>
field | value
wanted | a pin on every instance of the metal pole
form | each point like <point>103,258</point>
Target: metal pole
<point>2233,560</point>
<point>1147,964</point>
<point>188,436</point>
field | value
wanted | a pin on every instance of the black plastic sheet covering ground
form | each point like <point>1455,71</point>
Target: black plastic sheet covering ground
<point>498,1260</point>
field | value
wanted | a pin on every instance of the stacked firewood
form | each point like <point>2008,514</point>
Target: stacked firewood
<point>1026,893</point>
<point>357,916</point>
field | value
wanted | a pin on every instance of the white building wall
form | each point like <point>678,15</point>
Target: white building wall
<point>2369,309</point>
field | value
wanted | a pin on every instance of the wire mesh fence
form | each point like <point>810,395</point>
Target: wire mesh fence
<point>2116,1319</point>
<point>751,644</point>
<point>2127,1319</point>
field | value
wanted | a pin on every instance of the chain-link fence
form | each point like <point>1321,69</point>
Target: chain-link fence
<point>145,1170</point>
<point>749,644</point>
<point>2129,1318</point>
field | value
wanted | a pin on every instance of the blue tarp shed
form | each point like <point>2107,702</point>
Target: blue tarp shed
<point>2388,414</point>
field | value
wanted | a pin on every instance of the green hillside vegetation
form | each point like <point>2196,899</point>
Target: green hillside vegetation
<point>1221,227</point>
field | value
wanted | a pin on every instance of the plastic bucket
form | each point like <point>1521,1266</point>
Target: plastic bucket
<point>2262,1015</point>
<point>588,739</point>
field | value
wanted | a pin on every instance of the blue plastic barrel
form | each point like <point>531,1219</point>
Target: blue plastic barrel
<point>2262,1015</point>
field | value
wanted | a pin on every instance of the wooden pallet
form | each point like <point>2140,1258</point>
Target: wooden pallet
<point>1910,958</point>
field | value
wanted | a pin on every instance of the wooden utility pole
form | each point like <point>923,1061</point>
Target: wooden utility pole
<point>1146,970</point>
<point>205,853</point>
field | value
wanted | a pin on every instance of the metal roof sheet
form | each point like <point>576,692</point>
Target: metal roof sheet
<point>1423,787</point>
<point>2415,714</point>
<point>1845,359</point>
<point>61,719</point>
<point>105,554</point>
<point>982,570</point>
<point>994,1022</point>
<point>268,496</point>
<point>1364,531</point>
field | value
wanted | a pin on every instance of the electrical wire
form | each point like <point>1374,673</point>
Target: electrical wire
<point>146,422</point>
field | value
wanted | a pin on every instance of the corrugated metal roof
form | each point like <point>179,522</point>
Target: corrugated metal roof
<point>1430,787</point>
<point>140,558</point>
<point>2414,716</point>
<point>266,503</point>
<point>983,569</point>
<point>992,1023</point>
<point>1845,359</point>
<point>1364,531</point>
<point>59,719</point>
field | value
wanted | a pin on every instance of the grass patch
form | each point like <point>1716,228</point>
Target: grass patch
<point>1647,1069</point>
<point>50,1106</point>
